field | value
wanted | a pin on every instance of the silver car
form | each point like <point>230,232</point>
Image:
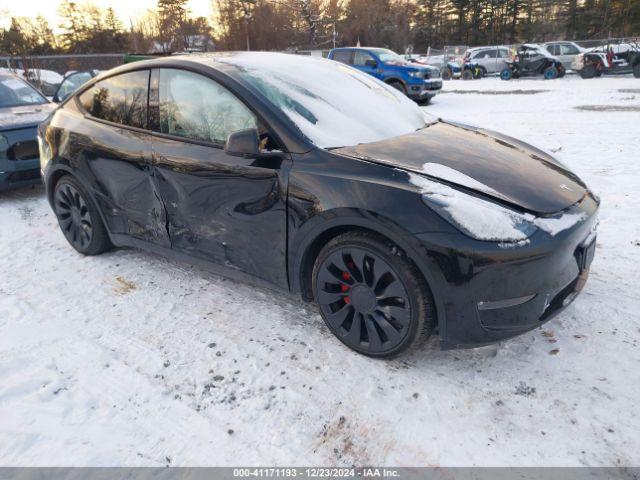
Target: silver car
<point>489,59</point>
<point>565,51</point>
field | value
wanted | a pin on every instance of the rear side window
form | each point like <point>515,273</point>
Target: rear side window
<point>342,56</point>
<point>568,49</point>
<point>193,106</point>
<point>121,99</point>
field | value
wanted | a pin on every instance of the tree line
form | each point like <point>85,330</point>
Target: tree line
<point>311,24</point>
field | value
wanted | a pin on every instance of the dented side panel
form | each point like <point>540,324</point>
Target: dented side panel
<point>115,162</point>
<point>223,208</point>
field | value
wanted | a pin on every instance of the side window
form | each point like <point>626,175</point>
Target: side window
<point>568,49</point>
<point>503,53</point>
<point>360,58</point>
<point>342,56</point>
<point>121,99</point>
<point>193,106</point>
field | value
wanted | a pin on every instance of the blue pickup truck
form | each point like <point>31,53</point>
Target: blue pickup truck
<point>418,82</point>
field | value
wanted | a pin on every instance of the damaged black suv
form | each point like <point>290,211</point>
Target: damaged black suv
<point>309,176</point>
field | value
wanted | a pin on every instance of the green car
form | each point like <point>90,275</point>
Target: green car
<point>22,108</point>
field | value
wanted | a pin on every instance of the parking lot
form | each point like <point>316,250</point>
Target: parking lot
<point>130,359</point>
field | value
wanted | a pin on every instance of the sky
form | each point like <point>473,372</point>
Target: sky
<point>125,9</point>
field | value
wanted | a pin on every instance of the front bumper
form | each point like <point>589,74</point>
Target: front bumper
<point>19,159</point>
<point>426,89</point>
<point>490,292</point>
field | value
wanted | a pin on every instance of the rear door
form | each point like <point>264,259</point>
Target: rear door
<point>227,209</point>
<point>487,59</point>
<point>114,154</point>
<point>567,52</point>
<point>503,56</point>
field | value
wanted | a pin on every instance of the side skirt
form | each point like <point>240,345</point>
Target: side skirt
<point>212,267</point>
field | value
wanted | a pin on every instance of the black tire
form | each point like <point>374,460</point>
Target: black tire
<point>78,217</point>
<point>398,86</point>
<point>371,296</point>
<point>636,70</point>
<point>447,74</point>
<point>482,72</point>
<point>423,102</point>
<point>588,71</point>
<point>467,75</point>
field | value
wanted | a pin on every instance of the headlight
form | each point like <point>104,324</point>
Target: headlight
<point>416,74</point>
<point>474,216</point>
<point>45,151</point>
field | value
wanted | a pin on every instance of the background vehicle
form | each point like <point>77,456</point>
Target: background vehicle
<point>564,51</point>
<point>419,82</point>
<point>22,108</point>
<point>197,157</point>
<point>612,58</point>
<point>451,70</point>
<point>532,60</point>
<point>71,82</point>
<point>489,59</point>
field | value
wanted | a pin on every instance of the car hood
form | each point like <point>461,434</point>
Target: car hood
<point>480,160</point>
<point>12,118</point>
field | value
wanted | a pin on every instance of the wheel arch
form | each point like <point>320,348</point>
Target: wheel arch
<point>59,170</point>
<point>394,79</point>
<point>302,260</point>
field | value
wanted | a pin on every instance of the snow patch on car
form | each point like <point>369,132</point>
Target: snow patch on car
<point>334,105</point>
<point>480,218</point>
<point>454,176</point>
<point>555,225</point>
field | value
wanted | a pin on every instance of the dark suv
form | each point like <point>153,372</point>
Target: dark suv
<point>418,82</point>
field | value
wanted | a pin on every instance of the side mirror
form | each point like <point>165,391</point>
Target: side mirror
<point>370,63</point>
<point>243,143</point>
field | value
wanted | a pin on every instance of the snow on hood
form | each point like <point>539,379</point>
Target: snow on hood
<point>489,221</point>
<point>24,116</point>
<point>482,219</point>
<point>454,176</point>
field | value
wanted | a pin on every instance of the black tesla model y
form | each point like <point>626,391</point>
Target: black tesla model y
<point>306,175</point>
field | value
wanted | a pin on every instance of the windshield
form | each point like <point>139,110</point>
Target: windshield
<point>332,104</point>
<point>15,92</point>
<point>388,56</point>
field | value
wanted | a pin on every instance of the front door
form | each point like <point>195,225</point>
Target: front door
<point>222,208</point>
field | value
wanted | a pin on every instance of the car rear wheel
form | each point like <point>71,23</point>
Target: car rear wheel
<point>588,71</point>
<point>78,218</point>
<point>371,296</point>
<point>550,73</point>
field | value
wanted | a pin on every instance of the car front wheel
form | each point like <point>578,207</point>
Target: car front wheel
<point>371,296</point>
<point>78,217</point>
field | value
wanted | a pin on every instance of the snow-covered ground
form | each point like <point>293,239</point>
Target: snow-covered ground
<point>130,359</point>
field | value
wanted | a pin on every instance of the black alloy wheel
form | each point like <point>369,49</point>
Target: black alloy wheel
<point>375,303</point>
<point>78,219</point>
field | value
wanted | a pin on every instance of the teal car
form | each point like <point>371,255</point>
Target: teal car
<point>22,108</point>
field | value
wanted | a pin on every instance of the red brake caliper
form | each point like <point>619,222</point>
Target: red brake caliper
<point>345,288</point>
